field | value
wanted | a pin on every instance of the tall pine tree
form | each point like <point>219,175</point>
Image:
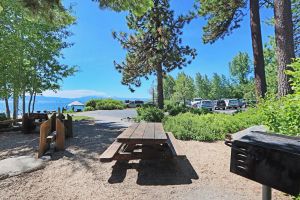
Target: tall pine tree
<point>154,47</point>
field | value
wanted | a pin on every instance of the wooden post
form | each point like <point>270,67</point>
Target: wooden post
<point>60,135</point>
<point>45,129</point>
<point>53,122</point>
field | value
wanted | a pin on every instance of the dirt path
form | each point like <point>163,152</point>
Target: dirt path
<point>78,174</point>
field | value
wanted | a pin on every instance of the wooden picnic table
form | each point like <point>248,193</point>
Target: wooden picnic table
<point>142,141</point>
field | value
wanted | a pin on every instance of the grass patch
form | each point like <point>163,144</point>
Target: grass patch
<point>82,118</point>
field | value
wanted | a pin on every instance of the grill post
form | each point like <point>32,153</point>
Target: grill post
<point>266,192</point>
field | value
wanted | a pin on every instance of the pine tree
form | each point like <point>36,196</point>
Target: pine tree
<point>154,47</point>
<point>223,17</point>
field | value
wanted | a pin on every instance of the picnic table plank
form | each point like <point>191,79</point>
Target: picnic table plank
<point>139,131</point>
<point>128,132</point>
<point>149,131</point>
<point>174,146</point>
<point>159,131</point>
<point>110,152</point>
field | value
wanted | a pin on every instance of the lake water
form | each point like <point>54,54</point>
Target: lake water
<point>39,105</point>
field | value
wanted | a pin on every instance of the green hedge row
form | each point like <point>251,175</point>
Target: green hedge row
<point>209,127</point>
<point>104,104</point>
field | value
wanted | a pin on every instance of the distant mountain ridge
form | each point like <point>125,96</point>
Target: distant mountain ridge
<point>81,99</point>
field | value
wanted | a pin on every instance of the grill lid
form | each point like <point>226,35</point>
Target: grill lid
<point>272,141</point>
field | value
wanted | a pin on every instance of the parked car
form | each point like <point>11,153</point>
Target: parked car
<point>206,104</point>
<point>195,101</point>
<point>135,104</point>
<point>242,103</point>
<point>219,104</point>
<point>232,103</point>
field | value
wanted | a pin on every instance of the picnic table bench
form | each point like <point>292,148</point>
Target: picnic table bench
<point>143,141</point>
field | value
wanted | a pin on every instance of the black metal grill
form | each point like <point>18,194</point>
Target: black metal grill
<point>270,159</point>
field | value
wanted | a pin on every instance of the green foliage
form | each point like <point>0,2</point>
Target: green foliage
<point>175,108</point>
<point>282,115</point>
<point>169,87</point>
<point>209,127</point>
<point>202,86</point>
<point>109,104</point>
<point>295,76</point>
<point>150,114</point>
<point>3,117</point>
<point>91,103</point>
<point>271,66</point>
<point>138,7</point>
<point>240,68</point>
<point>154,45</point>
<point>81,118</point>
<point>104,104</point>
<point>36,48</point>
<point>184,87</point>
<point>223,16</point>
<point>296,25</point>
<point>89,108</point>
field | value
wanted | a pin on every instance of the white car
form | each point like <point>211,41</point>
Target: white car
<point>206,104</point>
<point>232,103</point>
<point>195,101</point>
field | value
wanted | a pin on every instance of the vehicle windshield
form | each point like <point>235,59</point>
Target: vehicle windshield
<point>206,103</point>
<point>233,101</point>
<point>197,99</point>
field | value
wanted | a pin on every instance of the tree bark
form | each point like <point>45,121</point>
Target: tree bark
<point>29,103</point>
<point>259,64</point>
<point>285,49</point>
<point>160,91</point>
<point>7,108</point>
<point>15,105</point>
<point>23,103</point>
<point>33,102</point>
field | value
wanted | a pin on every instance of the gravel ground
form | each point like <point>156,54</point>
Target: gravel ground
<point>77,173</point>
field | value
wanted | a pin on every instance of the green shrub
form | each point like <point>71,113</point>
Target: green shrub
<point>3,117</point>
<point>105,104</point>
<point>150,114</point>
<point>209,127</point>
<point>175,108</point>
<point>89,108</point>
<point>91,103</point>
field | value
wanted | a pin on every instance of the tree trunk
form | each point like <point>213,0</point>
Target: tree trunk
<point>33,103</point>
<point>160,91</point>
<point>23,103</point>
<point>15,105</point>
<point>259,64</point>
<point>285,50</point>
<point>29,103</point>
<point>7,108</point>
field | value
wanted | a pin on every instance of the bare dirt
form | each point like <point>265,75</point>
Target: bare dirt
<point>77,173</point>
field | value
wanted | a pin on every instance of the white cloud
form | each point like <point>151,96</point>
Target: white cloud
<point>73,93</point>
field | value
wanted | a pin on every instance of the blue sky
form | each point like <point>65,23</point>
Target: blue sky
<point>95,50</point>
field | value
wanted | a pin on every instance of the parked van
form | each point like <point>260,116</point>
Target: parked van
<point>206,104</point>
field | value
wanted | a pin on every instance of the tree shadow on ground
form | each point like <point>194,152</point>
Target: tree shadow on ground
<point>177,171</point>
<point>89,141</point>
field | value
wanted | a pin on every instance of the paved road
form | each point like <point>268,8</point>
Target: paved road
<point>118,116</point>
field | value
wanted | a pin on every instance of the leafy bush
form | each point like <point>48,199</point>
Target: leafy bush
<point>92,103</point>
<point>105,104</point>
<point>174,109</point>
<point>209,127</point>
<point>3,117</point>
<point>150,114</point>
<point>89,108</point>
